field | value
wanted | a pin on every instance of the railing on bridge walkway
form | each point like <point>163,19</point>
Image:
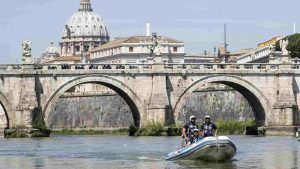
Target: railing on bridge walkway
<point>257,54</point>
<point>207,66</point>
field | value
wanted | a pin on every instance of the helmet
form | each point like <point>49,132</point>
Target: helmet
<point>207,117</point>
<point>195,130</point>
<point>192,117</point>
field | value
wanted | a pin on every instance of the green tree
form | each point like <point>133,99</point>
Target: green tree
<point>293,46</point>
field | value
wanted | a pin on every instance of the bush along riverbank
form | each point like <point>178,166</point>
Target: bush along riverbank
<point>155,129</point>
<point>225,127</point>
<point>151,129</point>
<point>234,127</point>
<point>24,132</point>
<point>119,131</point>
<point>38,128</point>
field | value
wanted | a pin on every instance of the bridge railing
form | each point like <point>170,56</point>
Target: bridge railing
<point>206,66</point>
<point>233,66</point>
<point>20,67</point>
<point>255,54</point>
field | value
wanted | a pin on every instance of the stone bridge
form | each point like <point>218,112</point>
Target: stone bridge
<point>153,91</point>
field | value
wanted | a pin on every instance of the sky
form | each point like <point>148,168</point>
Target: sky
<point>198,23</point>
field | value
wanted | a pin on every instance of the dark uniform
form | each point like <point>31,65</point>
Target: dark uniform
<point>208,128</point>
<point>190,130</point>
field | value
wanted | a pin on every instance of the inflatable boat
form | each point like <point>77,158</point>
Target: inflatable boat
<point>208,149</point>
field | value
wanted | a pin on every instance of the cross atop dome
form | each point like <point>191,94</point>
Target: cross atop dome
<point>85,5</point>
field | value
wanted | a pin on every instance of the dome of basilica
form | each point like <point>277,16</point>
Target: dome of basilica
<point>50,53</point>
<point>51,50</point>
<point>85,23</point>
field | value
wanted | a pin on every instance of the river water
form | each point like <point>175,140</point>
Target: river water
<point>122,152</point>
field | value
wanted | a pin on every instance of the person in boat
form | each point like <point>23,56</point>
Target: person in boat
<point>197,135</point>
<point>209,128</point>
<point>188,129</point>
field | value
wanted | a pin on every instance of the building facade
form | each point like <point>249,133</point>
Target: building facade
<point>270,42</point>
<point>135,49</point>
<point>200,58</point>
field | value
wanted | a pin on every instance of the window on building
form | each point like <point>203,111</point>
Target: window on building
<point>86,48</point>
<point>130,49</point>
<point>77,48</point>
<point>175,49</point>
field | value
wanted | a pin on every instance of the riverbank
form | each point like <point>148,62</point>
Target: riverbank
<point>281,131</point>
<point>26,133</point>
<point>164,131</point>
<point>225,127</point>
<point>90,131</point>
<point>234,127</point>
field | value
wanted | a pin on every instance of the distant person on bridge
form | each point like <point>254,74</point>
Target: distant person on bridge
<point>188,130</point>
<point>209,128</point>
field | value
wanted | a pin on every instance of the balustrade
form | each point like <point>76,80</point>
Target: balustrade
<point>207,66</point>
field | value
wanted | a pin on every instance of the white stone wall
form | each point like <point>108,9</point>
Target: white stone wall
<point>92,87</point>
<point>256,56</point>
<point>137,49</point>
<point>3,120</point>
<point>140,52</point>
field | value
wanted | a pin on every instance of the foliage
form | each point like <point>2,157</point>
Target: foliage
<point>233,126</point>
<point>277,46</point>
<point>38,124</point>
<point>151,129</point>
<point>132,129</point>
<point>174,131</point>
<point>293,46</point>
<point>122,131</point>
<point>16,132</point>
<point>38,121</point>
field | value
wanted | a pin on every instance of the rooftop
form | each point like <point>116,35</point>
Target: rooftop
<point>64,58</point>
<point>134,40</point>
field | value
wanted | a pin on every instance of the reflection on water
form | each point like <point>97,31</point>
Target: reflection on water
<point>60,152</point>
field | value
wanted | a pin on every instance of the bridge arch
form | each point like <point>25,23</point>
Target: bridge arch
<point>258,102</point>
<point>7,109</point>
<point>121,88</point>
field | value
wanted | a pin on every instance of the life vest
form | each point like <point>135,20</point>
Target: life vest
<point>191,128</point>
<point>208,129</point>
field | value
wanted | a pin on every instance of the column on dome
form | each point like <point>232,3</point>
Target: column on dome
<point>61,48</point>
<point>73,49</point>
<point>64,49</point>
<point>81,48</point>
<point>68,48</point>
<point>85,5</point>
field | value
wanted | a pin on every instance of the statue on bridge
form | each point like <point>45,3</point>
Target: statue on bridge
<point>154,47</point>
<point>27,45</point>
<point>283,45</point>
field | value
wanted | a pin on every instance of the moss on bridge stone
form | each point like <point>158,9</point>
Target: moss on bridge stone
<point>22,132</point>
<point>38,127</point>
